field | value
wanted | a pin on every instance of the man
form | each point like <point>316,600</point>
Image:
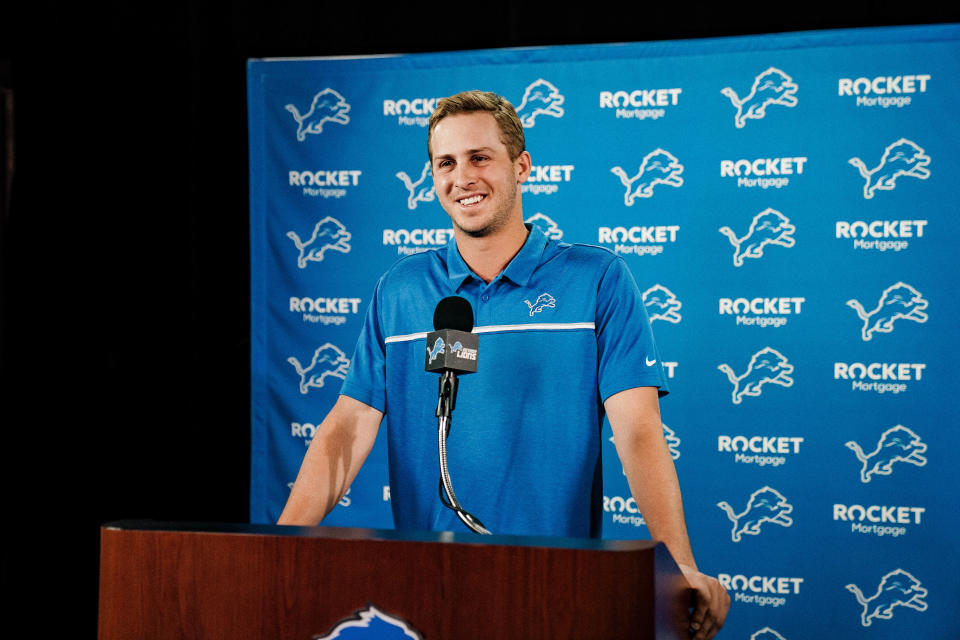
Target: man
<point>565,339</point>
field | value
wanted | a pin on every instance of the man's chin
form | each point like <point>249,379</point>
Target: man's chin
<point>478,229</point>
<point>481,232</point>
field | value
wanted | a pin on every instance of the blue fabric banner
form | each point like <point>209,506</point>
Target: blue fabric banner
<point>786,204</point>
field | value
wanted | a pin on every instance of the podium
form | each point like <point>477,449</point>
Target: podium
<point>182,580</point>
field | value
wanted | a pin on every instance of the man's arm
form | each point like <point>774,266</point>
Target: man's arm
<point>638,435</point>
<point>337,451</point>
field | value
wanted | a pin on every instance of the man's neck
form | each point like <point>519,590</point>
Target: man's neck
<point>488,256</point>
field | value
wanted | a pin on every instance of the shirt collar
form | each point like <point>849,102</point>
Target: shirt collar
<point>520,268</point>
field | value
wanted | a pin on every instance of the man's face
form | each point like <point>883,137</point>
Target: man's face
<point>477,183</point>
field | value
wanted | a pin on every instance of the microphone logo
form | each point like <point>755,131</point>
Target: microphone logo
<point>436,350</point>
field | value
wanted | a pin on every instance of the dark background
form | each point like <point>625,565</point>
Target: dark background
<point>124,287</point>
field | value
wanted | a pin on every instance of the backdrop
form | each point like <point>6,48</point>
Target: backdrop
<point>787,205</point>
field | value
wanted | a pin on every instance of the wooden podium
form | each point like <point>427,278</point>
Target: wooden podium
<point>243,582</point>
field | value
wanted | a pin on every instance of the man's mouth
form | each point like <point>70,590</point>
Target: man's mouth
<point>466,202</point>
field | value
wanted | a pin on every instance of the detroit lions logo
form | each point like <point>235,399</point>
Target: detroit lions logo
<point>371,624</point>
<point>328,360</point>
<point>766,634</point>
<point>657,167</point>
<point>327,106</point>
<point>416,190</point>
<point>767,227</point>
<point>662,304</point>
<point>545,300</point>
<point>902,158</point>
<point>328,234</point>
<point>897,444</point>
<point>764,505</point>
<point>436,350</point>
<point>540,98</point>
<point>766,366</point>
<point>772,87</point>
<point>897,589</point>
<point>898,301</point>
<point>550,228</point>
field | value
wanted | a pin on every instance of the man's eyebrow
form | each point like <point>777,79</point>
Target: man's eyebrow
<point>468,152</point>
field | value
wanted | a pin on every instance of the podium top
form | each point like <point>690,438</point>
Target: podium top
<point>351,533</point>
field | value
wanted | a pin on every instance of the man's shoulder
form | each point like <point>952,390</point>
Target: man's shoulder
<point>415,267</point>
<point>580,254</point>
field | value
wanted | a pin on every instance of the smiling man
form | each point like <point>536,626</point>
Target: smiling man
<point>565,340</point>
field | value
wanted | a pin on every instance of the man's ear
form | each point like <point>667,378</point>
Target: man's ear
<point>522,165</point>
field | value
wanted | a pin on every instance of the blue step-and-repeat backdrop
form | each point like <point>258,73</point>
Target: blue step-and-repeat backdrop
<point>788,205</point>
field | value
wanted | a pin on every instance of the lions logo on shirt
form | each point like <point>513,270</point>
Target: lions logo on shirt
<point>545,300</point>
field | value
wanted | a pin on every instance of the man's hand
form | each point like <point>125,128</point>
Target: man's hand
<point>711,603</point>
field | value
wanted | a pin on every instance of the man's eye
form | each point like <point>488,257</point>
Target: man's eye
<point>443,164</point>
<point>479,158</point>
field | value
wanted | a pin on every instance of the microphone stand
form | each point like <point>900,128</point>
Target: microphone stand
<point>445,404</point>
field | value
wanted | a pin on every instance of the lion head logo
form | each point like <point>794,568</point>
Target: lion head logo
<point>903,158</point>
<point>772,87</point>
<point>662,304</point>
<point>328,235</point>
<point>328,360</point>
<point>540,98</point>
<point>896,589</point>
<point>765,505</point>
<point>657,167</point>
<point>897,444</point>
<point>766,366</point>
<point>327,106</point>
<point>899,301</point>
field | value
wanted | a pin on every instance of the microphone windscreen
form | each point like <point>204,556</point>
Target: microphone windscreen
<point>453,312</point>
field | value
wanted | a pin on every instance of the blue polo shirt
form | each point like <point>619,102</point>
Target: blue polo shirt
<point>561,329</point>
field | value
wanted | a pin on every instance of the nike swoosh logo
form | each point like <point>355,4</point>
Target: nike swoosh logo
<point>650,362</point>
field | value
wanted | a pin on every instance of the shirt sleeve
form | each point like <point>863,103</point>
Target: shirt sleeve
<point>627,354</point>
<point>366,377</point>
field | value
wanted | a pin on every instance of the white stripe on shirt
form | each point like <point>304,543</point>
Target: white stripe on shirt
<point>498,328</point>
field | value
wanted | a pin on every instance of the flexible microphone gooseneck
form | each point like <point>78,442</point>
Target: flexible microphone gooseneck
<point>451,350</point>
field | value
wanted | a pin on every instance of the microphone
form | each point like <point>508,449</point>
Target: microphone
<point>451,350</point>
<point>451,347</point>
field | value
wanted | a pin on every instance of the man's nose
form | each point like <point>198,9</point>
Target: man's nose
<point>466,175</point>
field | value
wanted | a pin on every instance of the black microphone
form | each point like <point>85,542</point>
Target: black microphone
<point>452,347</point>
<point>451,350</point>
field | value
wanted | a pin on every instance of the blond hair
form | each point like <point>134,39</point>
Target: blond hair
<point>511,131</point>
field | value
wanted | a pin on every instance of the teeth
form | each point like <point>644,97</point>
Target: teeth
<point>473,200</point>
